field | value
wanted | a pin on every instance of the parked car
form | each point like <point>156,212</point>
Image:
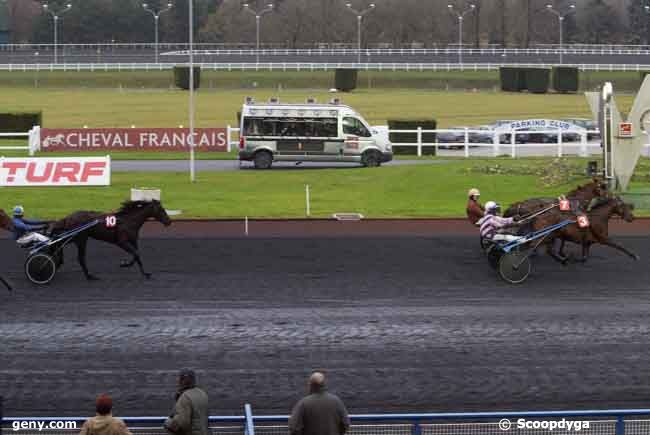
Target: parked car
<point>589,125</point>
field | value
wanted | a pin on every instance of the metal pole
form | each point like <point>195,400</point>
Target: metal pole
<point>257,44</point>
<point>460,39</point>
<point>561,40</point>
<point>191,23</point>
<point>359,18</point>
<point>156,25</point>
<point>56,38</point>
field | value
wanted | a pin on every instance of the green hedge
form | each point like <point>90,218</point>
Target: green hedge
<point>566,79</point>
<point>535,80</point>
<point>182,77</point>
<point>412,124</point>
<point>19,122</point>
<point>345,80</point>
<point>512,79</point>
<point>538,80</point>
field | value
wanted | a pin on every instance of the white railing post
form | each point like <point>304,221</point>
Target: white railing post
<point>34,141</point>
<point>583,144</point>
<point>466,142</point>
<point>228,134</point>
<point>419,141</point>
<point>559,142</point>
<point>513,142</point>
<point>495,144</point>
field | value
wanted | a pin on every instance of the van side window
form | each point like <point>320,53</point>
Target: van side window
<point>355,127</point>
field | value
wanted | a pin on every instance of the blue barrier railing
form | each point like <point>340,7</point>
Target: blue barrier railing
<point>249,420</point>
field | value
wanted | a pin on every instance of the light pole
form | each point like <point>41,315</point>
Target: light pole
<point>572,10</point>
<point>191,25</point>
<point>461,17</point>
<point>258,15</point>
<point>360,15</point>
<point>55,16</point>
<point>156,18</point>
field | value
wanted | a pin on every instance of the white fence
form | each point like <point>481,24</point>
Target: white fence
<point>307,66</point>
<point>33,141</point>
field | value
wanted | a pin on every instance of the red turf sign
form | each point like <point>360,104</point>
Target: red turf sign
<point>135,139</point>
<point>91,171</point>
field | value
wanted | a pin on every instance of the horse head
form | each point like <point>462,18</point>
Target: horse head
<point>5,221</point>
<point>620,208</point>
<point>159,213</point>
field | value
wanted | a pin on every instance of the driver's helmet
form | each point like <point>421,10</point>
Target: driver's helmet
<point>19,211</point>
<point>491,207</point>
<point>473,192</point>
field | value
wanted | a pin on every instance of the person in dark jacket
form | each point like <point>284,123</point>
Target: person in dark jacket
<point>475,210</point>
<point>190,414</point>
<point>319,413</point>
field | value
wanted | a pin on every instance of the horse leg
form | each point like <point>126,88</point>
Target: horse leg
<point>621,248</point>
<point>127,263</point>
<point>561,250</point>
<point>81,257</point>
<point>131,249</point>
<point>550,251</point>
<point>6,284</point>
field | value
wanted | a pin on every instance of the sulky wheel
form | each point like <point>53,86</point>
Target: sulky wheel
<point>494,254</point>
<point>40,268</point>
<point>514,267</point>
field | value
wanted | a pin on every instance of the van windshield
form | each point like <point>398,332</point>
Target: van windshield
<point>355,127</point>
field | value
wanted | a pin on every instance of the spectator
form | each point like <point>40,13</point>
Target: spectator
<point>104,423</point>
<point>320,413</point>
<point>190,415</point>
<point>475,210</point>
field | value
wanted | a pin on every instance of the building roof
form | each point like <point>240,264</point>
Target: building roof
<point>4,17</point>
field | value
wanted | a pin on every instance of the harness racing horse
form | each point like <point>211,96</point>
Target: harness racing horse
<point>596,233</point>
<point>6,223</point>
<point>120,228</point>
<point>583,195</point>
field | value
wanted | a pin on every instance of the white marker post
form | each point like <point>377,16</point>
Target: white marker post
<point>308,207</point>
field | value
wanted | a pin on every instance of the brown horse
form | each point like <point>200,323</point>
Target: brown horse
<point>121,228</point>
<point>596,233</point>
<point>583,195</point>
<point>6,223</point>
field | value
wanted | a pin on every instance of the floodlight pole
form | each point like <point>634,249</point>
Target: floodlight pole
<point>258,16</point>
<point>156,18</point>
<point>55,16</point>
<point>561,18</point>
<point>191,138</point>
<point>360,15</point>
<point>461,18</point>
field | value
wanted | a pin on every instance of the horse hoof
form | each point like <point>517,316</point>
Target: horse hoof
<point>147,276</point>
<point>636,257</point>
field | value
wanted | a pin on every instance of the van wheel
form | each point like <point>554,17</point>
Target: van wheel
<point>371,159</point>
<point>263,160</point>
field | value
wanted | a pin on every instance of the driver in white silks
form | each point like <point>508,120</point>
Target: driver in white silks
<point>26,231</point>
<point>491,223</point>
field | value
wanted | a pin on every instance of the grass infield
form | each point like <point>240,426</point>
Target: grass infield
<point>436,190</point>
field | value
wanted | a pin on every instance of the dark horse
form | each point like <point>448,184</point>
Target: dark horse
<point>120,228</point>
<point>6,223</point>
<point>596,233</point>
<point>583,195</point>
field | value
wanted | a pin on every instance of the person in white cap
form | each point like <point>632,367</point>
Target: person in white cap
<point>491,223</point>
<point>475,210</point>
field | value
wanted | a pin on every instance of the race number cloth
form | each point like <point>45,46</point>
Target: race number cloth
<point>65,171</point>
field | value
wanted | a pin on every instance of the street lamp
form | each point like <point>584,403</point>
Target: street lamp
<point>55,16</point>
<point>360,15</point>
<point>461,17</point>
<point>156,18</point>
<point>572,10</point>
<point>258,15</point>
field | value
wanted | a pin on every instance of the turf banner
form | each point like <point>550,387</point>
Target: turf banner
<point>65,171</point>
<point>136,139</point>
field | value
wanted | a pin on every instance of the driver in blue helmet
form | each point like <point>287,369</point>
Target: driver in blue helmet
<point>26,231</point>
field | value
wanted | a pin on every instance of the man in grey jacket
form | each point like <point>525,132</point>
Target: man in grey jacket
<point>319,413</point>
<point>190,414</point>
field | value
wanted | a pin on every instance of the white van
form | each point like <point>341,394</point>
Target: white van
<point>309,133</point>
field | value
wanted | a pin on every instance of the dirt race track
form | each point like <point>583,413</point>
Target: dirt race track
<point>399,324</point>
